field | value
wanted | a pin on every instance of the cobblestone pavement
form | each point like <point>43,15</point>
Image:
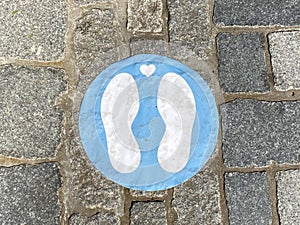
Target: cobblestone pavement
<point>51,50</point>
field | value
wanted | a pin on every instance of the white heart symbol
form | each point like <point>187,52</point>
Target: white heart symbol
<point>147,70</point>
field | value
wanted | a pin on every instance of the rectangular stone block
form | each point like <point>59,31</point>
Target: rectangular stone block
<point>148,213</point>
<point>247,197</point>
<point>288,192</point>
<point>95,34</point>
<point>198,200</point>
<point>285,55</point>
<point>148,194</point>
<point>242,64</point>
<point>86,2</point>
<point>103,217</point>
<point>189,24</point>
<point>86,185</point>
<point>145,16</point>
<point>30,122</point>
<point>29,194</point>
<point>32,29</point>
<point>256,12</point>
<point>258,133</point>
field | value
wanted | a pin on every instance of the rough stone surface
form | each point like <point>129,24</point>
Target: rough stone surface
<point>258,133</point>
<point>197,200</point>
<point>99,64</point>
<point>284,49</point>
<point>247,198</point>
<point>29,194</point>
<point>145,16</point>
<point>32,29</point>
<point>288,192</point>
<point>86,2</point>
<point>257,12</point>
<point>196,34</point>
<point>148,213</point>
<point>94,34</point>
<point>149,47</point>
<point>242,66</point>
<point>87,186</point>
<point>148,194</point>
<point>97,219</point>
<point>171,50</point>
<point>30,123</point>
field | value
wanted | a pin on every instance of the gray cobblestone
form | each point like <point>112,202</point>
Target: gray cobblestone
<point>87,2</point>
<point>32,29</point>
<point>147,194</point>
<point>197,200</point>
<point>95,33</point>
<point>87,186</point>
<point>288,188</point>
<point>257,12</point>
<point>247,198</point>
<point>145,16</point>
<point>29,195</point>
<point>149,47</point>
<point>242,66</point>
<point>148,213</point>
<point>196,34</point>
<point>97,219</point>
<point>30,123</point>
<point>258,133</point>
<point>284,49</point>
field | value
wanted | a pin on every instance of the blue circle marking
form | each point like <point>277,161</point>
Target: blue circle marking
<point>148,127</point>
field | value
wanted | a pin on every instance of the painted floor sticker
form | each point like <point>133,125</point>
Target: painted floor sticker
<point>148,122</point>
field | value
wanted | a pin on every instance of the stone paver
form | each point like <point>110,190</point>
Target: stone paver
<point>196,34</point>
<point>145,16</point>
<point>242,66</point>
<point>95,33</point>
<point>32,29</point>
<point>97,219</point>
<point>259,132</point>
<point>256,12</point>
<point>197,200</point>
<point>29,194</point>
<point>288,188</point>
<point>148,213</point>
<point>87,186</point>
<point>247,198</point>
<point>30,123</point>
<point>147,194</point>
<point>284,49</point>
<point>86,2</point>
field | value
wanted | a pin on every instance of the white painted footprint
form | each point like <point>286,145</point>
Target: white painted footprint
<point>118,109</point>
<point>176,104</point>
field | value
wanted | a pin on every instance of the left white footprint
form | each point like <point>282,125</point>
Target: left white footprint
<point>119,107</point>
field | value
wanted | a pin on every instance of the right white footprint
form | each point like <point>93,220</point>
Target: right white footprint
<point>176,105</point>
